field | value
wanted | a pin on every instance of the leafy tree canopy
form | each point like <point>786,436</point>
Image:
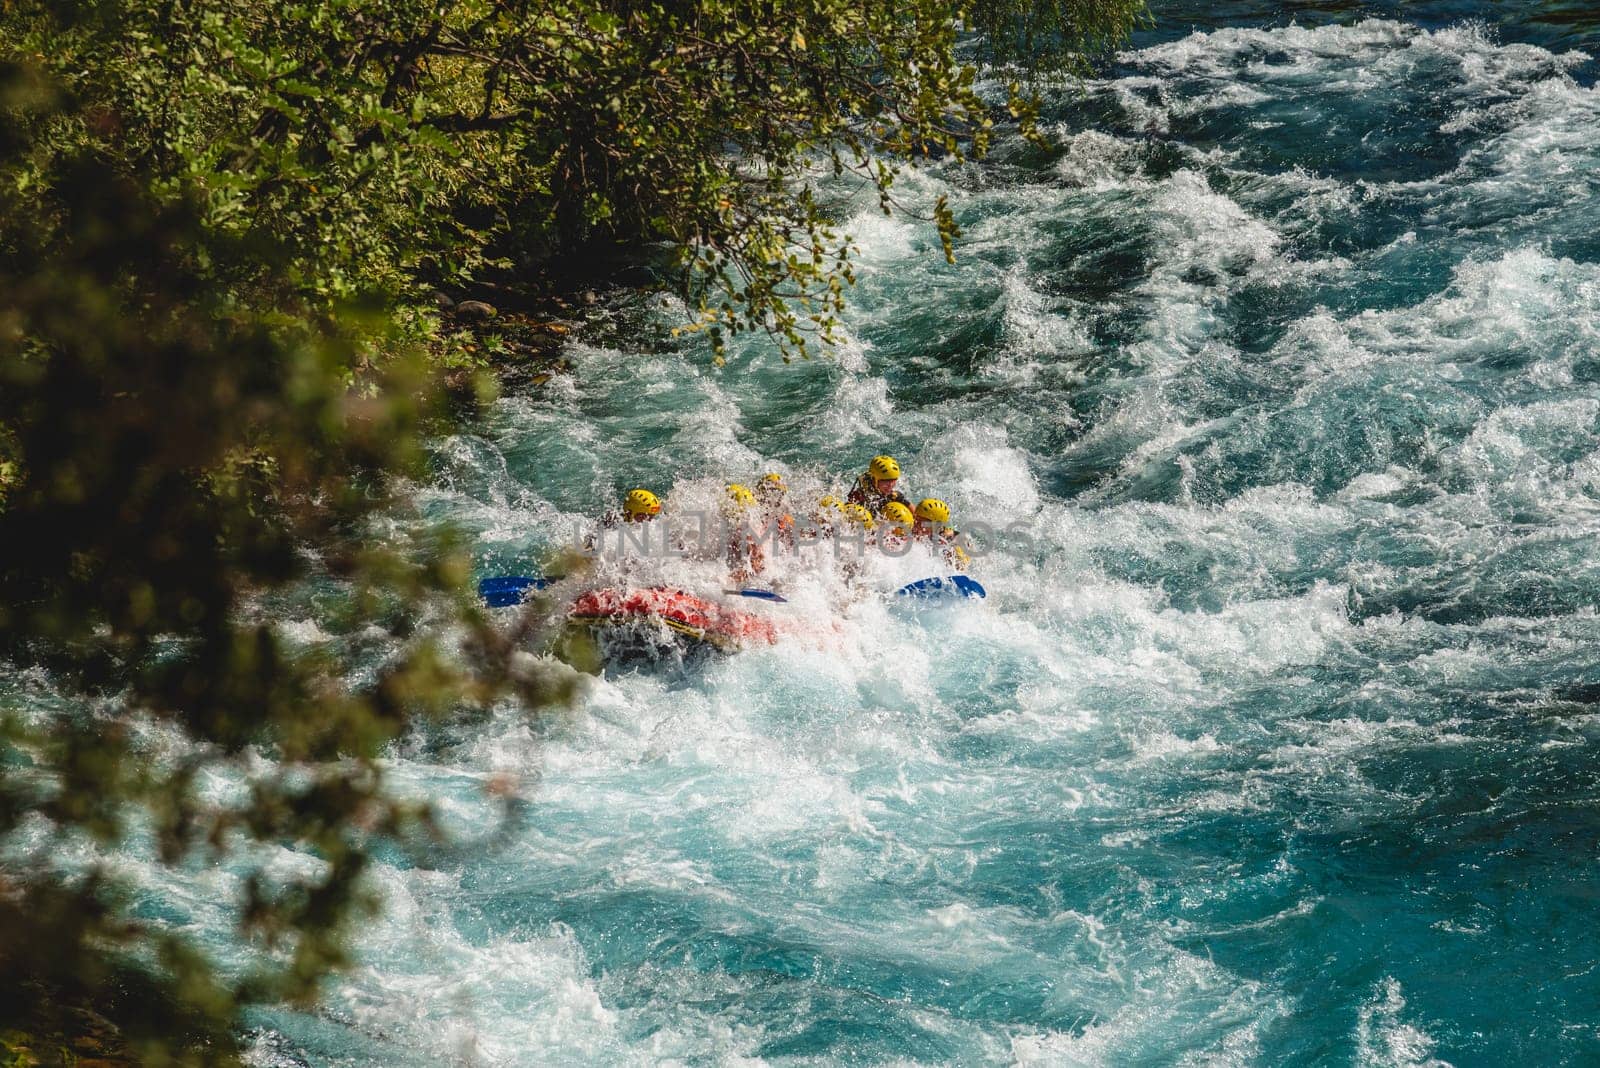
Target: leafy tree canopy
<point>393,141</point>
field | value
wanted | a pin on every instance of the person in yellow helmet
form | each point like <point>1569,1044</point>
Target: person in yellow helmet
<point>773,493</point>
<point>746,558</point>
<point>877,486</point>
<point>856,532</point>
<point>894,528</point>
<point>858,516</point>
<point>638,506</point>
<point>932,517</point>
<point>898,518</point>
<point>933,525</point>
<point>825,516</point>
<point>641,506</point>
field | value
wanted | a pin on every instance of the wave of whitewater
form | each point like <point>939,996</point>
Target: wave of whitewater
<point>1271,743</point>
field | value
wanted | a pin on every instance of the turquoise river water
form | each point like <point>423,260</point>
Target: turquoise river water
<point>1271,744</point>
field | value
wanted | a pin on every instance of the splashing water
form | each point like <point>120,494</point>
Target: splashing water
<point>1270,744</point>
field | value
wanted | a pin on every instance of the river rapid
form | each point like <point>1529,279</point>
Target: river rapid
<point>1271,743</point>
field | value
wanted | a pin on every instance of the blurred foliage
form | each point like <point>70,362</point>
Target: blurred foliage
<point>1036,36</point>
<point>391,141</point>
<point>172,456</point>
<point>215,217</point>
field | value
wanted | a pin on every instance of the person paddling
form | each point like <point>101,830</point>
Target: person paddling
<point>773,494</point>
<point>857,530</point>
<point>877,486</point>
<point>746,559</point>
<point>931,520</point>
<point>932,525</point>
<point>828,513</point>
<point>897,521</point>
<point>639,506</point>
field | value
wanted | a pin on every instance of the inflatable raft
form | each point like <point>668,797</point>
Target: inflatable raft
<point>647,625</point>
<point>606,626</point>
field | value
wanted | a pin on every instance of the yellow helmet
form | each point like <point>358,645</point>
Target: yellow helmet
<point>883,467</point>
<point>933,510</point>
<point>895,512</point>
<point>773,479</point>
<point>829,501</point>
<point>740,494</point>
<point>641,502</point>
<point>858,515</point>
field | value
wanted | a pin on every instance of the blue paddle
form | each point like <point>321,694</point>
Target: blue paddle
<point>941,587</point>
<point>507,590</point>
<point>968,587</point>
<point>765,595</point>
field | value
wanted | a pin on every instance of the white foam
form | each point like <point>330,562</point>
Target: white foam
<point>1385,1040</point>
<point>1184,1007</point>
<point>1096,160</point>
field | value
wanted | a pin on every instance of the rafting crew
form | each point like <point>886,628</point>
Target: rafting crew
<point>875,512</point>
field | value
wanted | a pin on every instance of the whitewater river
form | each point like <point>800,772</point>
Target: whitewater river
<point>1272,742</point>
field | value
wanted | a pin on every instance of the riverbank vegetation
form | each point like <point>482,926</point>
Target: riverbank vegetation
<point>225,230</point>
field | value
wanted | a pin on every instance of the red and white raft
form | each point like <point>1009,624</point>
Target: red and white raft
<point>607,624</point>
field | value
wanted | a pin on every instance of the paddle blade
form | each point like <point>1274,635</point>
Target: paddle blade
<point>954,586</point>
<point>928,587</point>
<point>764,595</point>
<point>968,587</point>
<point>507,590</point>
